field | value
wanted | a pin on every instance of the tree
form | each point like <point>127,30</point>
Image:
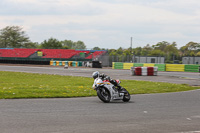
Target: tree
<point>193,46</point>
<point>198,54</point>
<point>79,45</point>
<point>190,49</point>
<point>96,48</point>
<point>171,51</point>
<point>67,44</point>
<point>112,52</point>
<point>161,45</point>
<point>146,50</point>
<point>51,43</point>
<point>156,52</point>
<point>13,37</point>
<point>137,51</point>
<point>31,45</point>
<point>120,51</point>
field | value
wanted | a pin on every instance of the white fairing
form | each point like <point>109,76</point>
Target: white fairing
<point>97,82</point>
<point>113,92</point>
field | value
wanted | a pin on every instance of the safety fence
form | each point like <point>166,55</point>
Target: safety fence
<point>161,67</point>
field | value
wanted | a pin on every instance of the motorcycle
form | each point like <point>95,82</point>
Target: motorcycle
<point>108,92</point>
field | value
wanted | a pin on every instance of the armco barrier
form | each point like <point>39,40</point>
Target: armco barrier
<point>175,67</point>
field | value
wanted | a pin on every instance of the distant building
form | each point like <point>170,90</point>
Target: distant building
<point>148,59</point>
<point>190,60</point>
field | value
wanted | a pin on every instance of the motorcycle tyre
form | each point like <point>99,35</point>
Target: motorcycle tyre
<point>102,97</point>
<point>126,97</point>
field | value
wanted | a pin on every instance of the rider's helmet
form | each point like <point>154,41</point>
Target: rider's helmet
<point>95,74</point>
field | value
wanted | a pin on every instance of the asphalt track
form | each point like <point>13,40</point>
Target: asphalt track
<point>148,113</point>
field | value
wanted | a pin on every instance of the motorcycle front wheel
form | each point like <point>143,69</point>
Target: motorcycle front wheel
<point>126,97</point>
<point>104,95</point>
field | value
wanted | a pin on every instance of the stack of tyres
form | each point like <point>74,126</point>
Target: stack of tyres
<point>138,71</point>
<point>57,63</point>
<point>132,71</point>
<point>144,71</point>
<point>161,67</point>
<point>60,63</point>
<point>74,63</point>
<point>118,65</point>
<point>127,65</point>
<point>155,69</point>
<point>150,71</point>
<point>70,63</point>
<point>54,63</point>
<point>80,63</point>
<point>51,63</point>
<point>64,63</point>
<point>175,67</point>
<point>192,68</point>
<point>148,65</point>
<point>138,65</point>
<point>113,65</point>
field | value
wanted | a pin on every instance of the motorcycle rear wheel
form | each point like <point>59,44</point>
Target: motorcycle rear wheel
<point>104,95</point>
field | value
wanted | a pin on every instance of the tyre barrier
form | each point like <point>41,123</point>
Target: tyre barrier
<point>144,71</point>
<point>127,65</point>
<point>160,67</point>
<point>175,67</point>
<point>93,64</point>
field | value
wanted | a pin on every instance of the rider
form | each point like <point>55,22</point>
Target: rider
<point>105,77</point>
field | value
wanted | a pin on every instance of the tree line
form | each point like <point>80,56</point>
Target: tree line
<point>163,49</point>
<point>15,37</point>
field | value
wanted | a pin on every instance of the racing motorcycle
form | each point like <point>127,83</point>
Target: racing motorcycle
<point>108,92</point>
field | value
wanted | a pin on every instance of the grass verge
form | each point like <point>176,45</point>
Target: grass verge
<point>29,85</point>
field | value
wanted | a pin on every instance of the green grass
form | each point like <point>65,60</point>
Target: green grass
<point>28,85</point>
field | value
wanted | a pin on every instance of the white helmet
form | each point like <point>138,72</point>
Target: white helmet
<point>95,74</point>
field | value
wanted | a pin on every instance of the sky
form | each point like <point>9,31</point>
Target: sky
<point>105,23</point>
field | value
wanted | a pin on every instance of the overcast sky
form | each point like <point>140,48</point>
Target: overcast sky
<point>105,23</point>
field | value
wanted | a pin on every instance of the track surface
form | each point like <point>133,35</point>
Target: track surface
<point>149,113</point>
